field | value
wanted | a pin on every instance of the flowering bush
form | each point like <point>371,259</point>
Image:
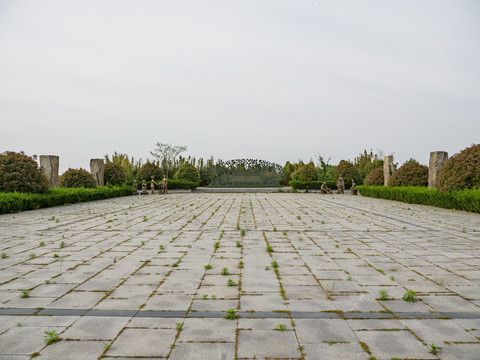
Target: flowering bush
<point>410,174</point>
<point>20,173</point>
<point>461,171</point>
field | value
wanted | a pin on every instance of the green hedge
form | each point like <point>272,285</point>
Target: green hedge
<point>15,202</point>
<point>468,200</point>
<point>311,185</point>
<point>181,184</point>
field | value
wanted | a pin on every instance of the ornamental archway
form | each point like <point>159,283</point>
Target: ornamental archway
<point>246,173</point>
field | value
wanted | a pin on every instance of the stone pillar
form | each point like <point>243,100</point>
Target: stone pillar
<point>437,159</point>
<point>97,169</point>
<point>388,169</point>
<point>49,165</point>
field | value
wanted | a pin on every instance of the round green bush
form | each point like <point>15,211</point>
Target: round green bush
<point>114,174</point>
<point>461,171</point>
<point>348,171</point>
<point>375,177</point>
<point>305,173</point>
<point>147,171</point>
<point>410,174</point>
<point>188,172</point>
<point>77,178</point>
<point>19,172</point>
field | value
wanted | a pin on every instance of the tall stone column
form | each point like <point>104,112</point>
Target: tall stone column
<point>97,168</point>
<point>437,159</point>
<point>49,165</point>
<point>388,169</point>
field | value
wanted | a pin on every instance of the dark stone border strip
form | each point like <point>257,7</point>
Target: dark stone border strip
<point>62,312</point>
<point>367,315</point>
<point>243,314</point>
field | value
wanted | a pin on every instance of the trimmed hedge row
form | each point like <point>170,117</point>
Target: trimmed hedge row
<point>468,200</point>
<point>311,185</point>
<point>15,202</point>
<point>181,184</point>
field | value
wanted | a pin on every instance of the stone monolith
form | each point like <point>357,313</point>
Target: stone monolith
<point>97,169</point>
<point>388,169</point>
<point>437,159</point>
<point>49,165</point>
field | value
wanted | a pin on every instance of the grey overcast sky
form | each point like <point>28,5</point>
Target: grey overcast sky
<point>271,79</point>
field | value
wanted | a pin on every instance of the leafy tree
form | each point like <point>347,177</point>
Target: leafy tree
<point>366,162</point>
<point>305,173</point>
<point>188,172</point>
<point>325,169</point>
<point>348,171</point>
<point>114,174</point>
<point>129,165</point>
<point>166,154</point>
<point>19,172</point>
<point>147,171</point>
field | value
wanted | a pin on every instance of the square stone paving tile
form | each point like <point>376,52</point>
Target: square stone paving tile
<point>72,350</point>
<point>208,330</point>
<point>267,343</point>
<point>51,290</point>
<point>311,305</point>
<point>375,324</point>
<point>439,330</point>
<point>213,305</point>
<point>169,301</point>
<point>360,302</point>
<point>265,302</point>
<point>450,303</point>
<point>399,306</point>
<point>6,322</point>
<point>143,342</point>
<point>96,328</point>
<point>77,300</point>
<point>459,351</point>
<point>203,351</point>
<point>23,340</point>
<point>394,344</point>
<point>155,322</point>
<point>323,351</point>
<point>220,291</point>
<point>31,302</point>
<point>320,330</point>
<point>55,321</point>
<point>263,323</point>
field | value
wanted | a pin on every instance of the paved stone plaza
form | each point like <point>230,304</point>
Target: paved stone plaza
<point>128,278</point>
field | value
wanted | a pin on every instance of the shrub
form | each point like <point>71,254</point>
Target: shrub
<point>375,177</point>
<point>77,178</point>
<point>15,202</point>
<point>410,174</point>
<point>188,172</point>
<point>305,173</point>
<point>114,174</point>
<point>19,172</point>
<point>147,171</point>
<point>461,171</point>
<point>468,200</point>
<point>348,171</point>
